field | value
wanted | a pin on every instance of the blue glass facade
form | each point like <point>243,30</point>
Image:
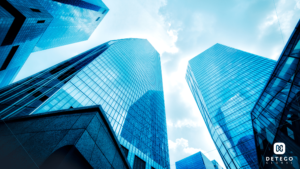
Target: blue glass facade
<point>35,25</point>
<point>226,83</point>
<point>20,31</point>
<point>195,161</point>
<point>276,114</point>
<point>145,119</point>
<point>73,21</point>
<point>123,76</point>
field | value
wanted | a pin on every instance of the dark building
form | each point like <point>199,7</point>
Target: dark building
<point>226,84</point>
<point>276,114</point>
<point>79,138</point>
<point>123,76</point>
<point>195,161</point>
<point>42,24</point>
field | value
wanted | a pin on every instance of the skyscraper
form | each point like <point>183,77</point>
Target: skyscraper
<point>42,24</point>
<point>226,83</point>
<point>195,161</point>
<point>73,21</point>
<point>123,76</point>
<point>275,116</point>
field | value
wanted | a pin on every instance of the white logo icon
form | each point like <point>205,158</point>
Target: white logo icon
<point>279,148</point>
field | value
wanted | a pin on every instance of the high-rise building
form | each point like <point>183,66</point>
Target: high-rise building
<point>73,21</point>
<point>195,161</point>
<point>123,76</point>
<point>42,24</point>
<point>276,114</point>
<point>226,83</point>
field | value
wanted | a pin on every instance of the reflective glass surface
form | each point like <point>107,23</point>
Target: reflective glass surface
<point>19,29</point>
<point>226,83</point>
<point>146,119</point>
<point>123,76</point>
<point>23,97</point>
<point>195,161</point>
<point>35,25</point>
<point>276,114</point>
<point>73,21</point>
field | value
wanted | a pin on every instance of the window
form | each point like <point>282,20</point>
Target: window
<point>139,163</point>
<point>35,10</point>
<point>104,12</point>
<point>9,57</point>
<point>290,133</point>
<point>41,21</point>
<point>97,18</point>
<point>31,90</point>
<point>36,94</point>
<point>44,98</point>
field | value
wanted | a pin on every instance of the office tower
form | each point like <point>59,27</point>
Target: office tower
<point>275,116</point>
<point>79,138</point>
<point>226,83</point>
<point>195,161</point>
<point>21,28</point>
<point>123,76</point>
<point>216,164</point>
<point>42,24</point>
<point>73,21</point>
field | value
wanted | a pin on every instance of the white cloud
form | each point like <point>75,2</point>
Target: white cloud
<point>185,123</point>
<point>175,83</point>
<point>202,23</point>
<point>276,27</point>
<point>176,78</point>
<point>161,35</point>
<point>191,150</point>
<point>182,144</point>
<point>297,4</point>
<point>170,123</point>
<point>269,21</point>
<point>281,18</point>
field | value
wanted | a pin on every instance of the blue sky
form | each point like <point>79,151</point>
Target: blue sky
<point>180,30</point>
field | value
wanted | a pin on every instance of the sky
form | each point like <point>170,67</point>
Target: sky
<point>179,30</point>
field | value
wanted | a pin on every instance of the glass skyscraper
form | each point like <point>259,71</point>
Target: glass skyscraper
<point>226,83</point>
<point>276,114</point>
<point>123,76</point>
<point>20,29</point>
<point>42,24</point>
<point>195,161</point>
<point>73,21</point>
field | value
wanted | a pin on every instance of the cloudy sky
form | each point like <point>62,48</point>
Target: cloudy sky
<point>180,30</point>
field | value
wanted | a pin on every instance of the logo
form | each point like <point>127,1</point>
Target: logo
<point>279,148</point>
<point>279,157</point>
